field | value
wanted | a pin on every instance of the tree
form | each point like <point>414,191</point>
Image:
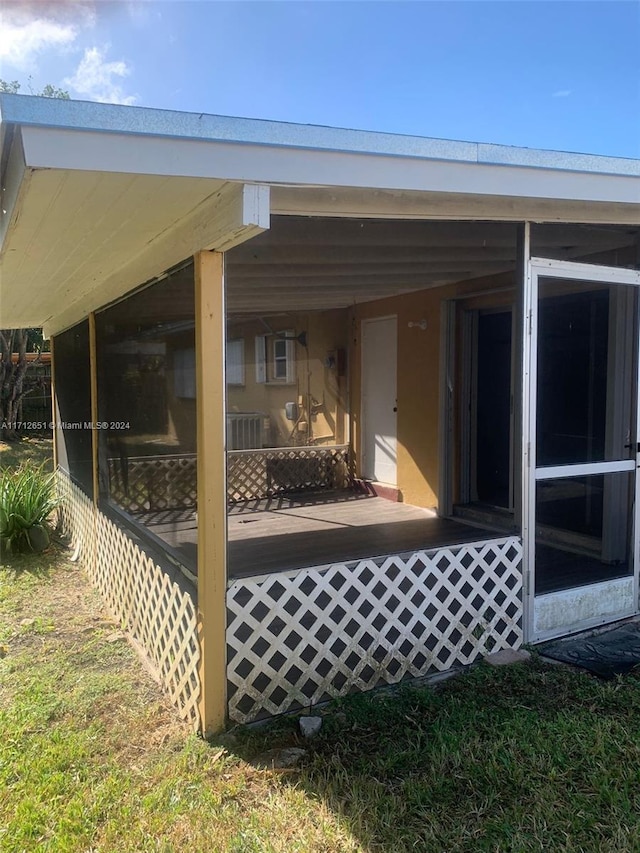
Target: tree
<point>49,91</point>
<point>14,346</point>
<point>18,342</point>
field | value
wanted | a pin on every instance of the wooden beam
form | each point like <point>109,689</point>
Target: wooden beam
<point>289,304</point>
<point>388,280</point>
<point>212,501</point>
<point>330,232</point>
<point>393,270</point>
<point>437,235</point>
<point>260,254</point>
<point>93,374</point>
<point>429,203</point>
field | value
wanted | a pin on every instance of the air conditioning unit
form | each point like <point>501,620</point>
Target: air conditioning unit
<point>246,430</point>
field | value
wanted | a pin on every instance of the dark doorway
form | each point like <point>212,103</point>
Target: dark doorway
<point>573,348</point>
<point>493,422</point>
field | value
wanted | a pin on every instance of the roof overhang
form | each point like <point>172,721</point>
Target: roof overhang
<point>97,199</point>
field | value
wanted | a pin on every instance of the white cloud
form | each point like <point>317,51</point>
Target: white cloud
<point>99,80</point>
<point>21,42</point>
<point>561,93</point>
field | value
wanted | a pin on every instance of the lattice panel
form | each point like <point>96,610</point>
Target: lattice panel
<point>154,483</point>
<point>76,519</point>
<point>253,474</point>
<point>296,638</point>
<point>156,612</point>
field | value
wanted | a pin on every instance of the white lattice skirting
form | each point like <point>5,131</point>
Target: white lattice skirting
<point>152,608</point>
<point>296,638</point>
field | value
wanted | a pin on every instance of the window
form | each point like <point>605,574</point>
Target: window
<point>184,373</point>
<point>235,362</point>
<point>280,359</point>
<point>146,400</point>
<point>261,359</point>
<point>275,358</point>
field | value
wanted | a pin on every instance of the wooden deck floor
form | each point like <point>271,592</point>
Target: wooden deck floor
<point>294,532</point>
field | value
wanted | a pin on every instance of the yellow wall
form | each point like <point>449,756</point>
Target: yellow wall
<point>326,334</point>
<point>182,410</point>
<point>418,380</point>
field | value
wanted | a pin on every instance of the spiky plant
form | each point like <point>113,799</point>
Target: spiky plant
<point>27,499</point>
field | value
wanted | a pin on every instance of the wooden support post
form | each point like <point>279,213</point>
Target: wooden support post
<point>93,368</point>
<point>212,503</point>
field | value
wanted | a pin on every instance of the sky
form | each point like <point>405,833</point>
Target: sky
<point>558,74</point>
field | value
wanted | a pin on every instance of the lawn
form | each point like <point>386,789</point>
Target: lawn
<point>533,757</point>
<point>93,758</point>
<point>29,449</point>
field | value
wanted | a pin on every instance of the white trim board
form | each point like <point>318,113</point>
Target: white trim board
<point>54,148</point>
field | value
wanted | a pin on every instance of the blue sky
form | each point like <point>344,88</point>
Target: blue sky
<point>544,74</point>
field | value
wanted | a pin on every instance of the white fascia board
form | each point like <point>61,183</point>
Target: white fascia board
<point>114,118</point>
<point>14,182</point>
<point>507,155</point>
<point>142,121</point>
<point>269,164</point>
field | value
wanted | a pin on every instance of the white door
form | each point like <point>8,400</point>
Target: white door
<point>581,493</point>
<point>379,399</point>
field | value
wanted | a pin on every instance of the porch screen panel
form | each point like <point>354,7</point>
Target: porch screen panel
<point>73,405</point>
<point>287,408</point>
<point>584,404</point>
<point>610,245</point>
<point>147,409</point>
<point>585,419</point>
<point>583,527</point>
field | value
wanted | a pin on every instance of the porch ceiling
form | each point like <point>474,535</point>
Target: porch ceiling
<point>76,229</point>
<point>305,263</point>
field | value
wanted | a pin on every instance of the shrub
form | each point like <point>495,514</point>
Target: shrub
<point>27,499</point>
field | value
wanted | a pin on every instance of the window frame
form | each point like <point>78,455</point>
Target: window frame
<point>184,373</point>
<point>266,358</point>
<point>235,371</point>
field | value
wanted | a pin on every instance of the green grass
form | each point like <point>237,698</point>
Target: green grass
<point>29,449</point>
<point>92,757</point>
